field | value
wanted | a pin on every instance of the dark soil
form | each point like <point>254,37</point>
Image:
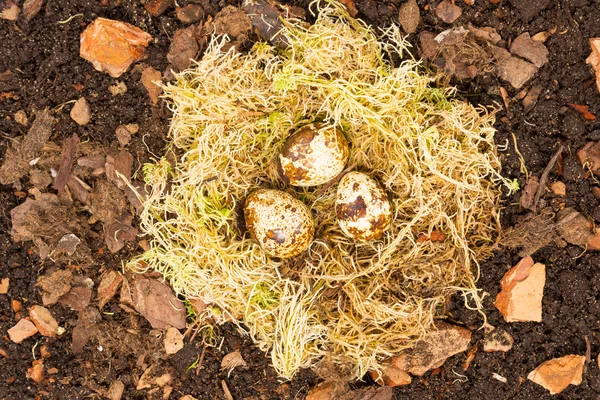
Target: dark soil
<point>44,56</point>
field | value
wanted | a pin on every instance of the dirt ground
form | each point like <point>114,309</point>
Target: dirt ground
<point>43,55</point>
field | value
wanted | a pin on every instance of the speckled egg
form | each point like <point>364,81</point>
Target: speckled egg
<point>280,223</point>
<point>362,207</point>
<point>313,155</point>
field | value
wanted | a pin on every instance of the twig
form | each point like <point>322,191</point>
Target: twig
<point>201,359</point>
<point>544,178</point>
<point>588,350</point>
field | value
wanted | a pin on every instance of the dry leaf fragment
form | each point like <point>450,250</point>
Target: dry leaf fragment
<point>158,304</point>
<point>150,78</point>
<point>232,360</point>
<point>556,374</point>
<point>520,299</point>
<point>594,59</point>
<point>583,110</point>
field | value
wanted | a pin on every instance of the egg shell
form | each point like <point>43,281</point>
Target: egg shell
<point>313,155</point>
<point>280,223</point>
<point>362,207</point>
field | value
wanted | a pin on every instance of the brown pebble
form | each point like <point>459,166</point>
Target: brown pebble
<point>36,372</point>
<point>44,352</point>
<point>16,305</point>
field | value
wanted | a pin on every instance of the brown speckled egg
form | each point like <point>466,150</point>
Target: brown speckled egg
<point>280,223</point>
<point>362,207</point>
<point>313,155</point>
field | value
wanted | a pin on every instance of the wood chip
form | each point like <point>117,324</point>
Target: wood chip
<point>44,321</point>
<point>556,374</point>
<point>109,284</point>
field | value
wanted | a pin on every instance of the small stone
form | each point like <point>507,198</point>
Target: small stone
<point>448,12</point>
<point>22,330</point>
<point>173,340</point>
<point>184,47</point>
<point>559,188</point>
<point>10,11</point>
<point>52,371</point>
<point>520,299</point>
<point>115,391</point>
<point>44,352</point>
<point>496,339</point>
<point>36,372</point>
<point>556,374</point>
<point>391,376</point>
<point>190,14</point>
<point>123,135</point>
<point>524,46</point>
<point>16,305</point>
<point>515,71</point>
<point>118,88</point>
<point>4,284</point>
<point>80,112</point>
<point>410,16</point>
<point>151,79</point>
<point>21,117</point>
<point>433,350</point>
<point>112,46</point>
<point>44,321</point>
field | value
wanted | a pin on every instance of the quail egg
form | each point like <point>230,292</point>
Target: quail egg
<point>362,207</point>
<point>280,223</point>
<point>313,155</point>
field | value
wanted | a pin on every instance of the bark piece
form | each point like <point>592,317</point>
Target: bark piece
<point>112,46</point>
<point>409,16</point>
<point>36,372</point>
<point>81,111</point>
<point>156,302</point>
<point>232,360</point>
<point>22,330</point>
<point>524,46</point>
<point>150,78</point>
<point>556,374</point>
<point>520,299</point>
<point>66,162</point>
<point>31,8</point>
<point>574,227</point>
<point>435,348</point>
<point>44,321</point>
<point>448,12</point>
<point>158,7</point>
<point>78,298</point>
<point>85,329</point>
<point>109,284</point>
<point>55,285</point>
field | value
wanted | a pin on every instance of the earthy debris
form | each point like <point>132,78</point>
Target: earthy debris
<point>115,391</point>
<point>190,14</point>
<point>516,71</point>
<point>123,135</point>
<point>594,59</point>
<point>21,117</point>
<point>78,298</point>
<point>112,46</point>
<point>149,78</point>
<point>118,88</point>
<point>558,188</point>
<point>524,46</point>
<point>556,374</point>
<point>55,285</point>
<point>66,245</point>
<point>594,242</point>
<point>173,340</point>
<point>117,233</point>
<point>589,156</point>
<point>497,339</point>
<point>109,284</point>
<point>40,179</point>
<point>158,7</point>
<point>52,371</point>
<point>531,98</point>
<point>118,168</point>
<point>583,110</point>
<point>410,16</point>
<point>433,350</point>
<point>391,376</point>
<point>31,8</point>
<point>232,360</point>
<point>107,202</point>
<point>44,321</point>
<point>93,161</point>
<point>486,34</point>
<point>22,151</point>
<point>184,48</point>
<point>448,12</point>
<point>66,160</point>
<point>574,227</point>
<point>520,299</point>
<point>233,22</point>
<point>10,11</point>
<point>22,330</point>
<point>36,372</point>
<point>267,19</point>
<point>544,35</point>
<point>4,284</point>
<point>528,195</point>
<point>86,328</point>
<point>81,111</point>
<point>544,178</point>
<point>149,379</point>
<point>156,302</point>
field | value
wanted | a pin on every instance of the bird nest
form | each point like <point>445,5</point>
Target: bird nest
<point>356,303</point>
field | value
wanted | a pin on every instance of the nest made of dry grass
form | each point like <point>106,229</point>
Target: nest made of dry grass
<point>357,303</point>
